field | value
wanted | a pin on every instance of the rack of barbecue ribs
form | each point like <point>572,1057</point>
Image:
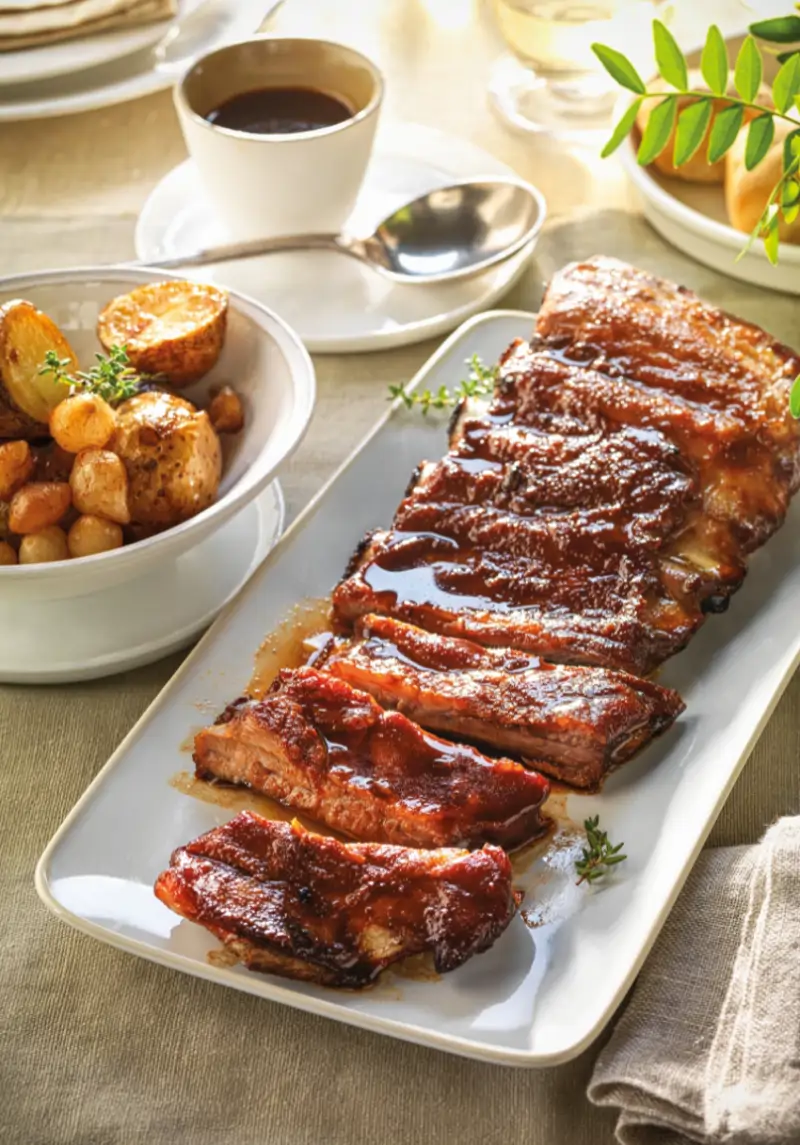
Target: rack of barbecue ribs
<point>582,525</point>
<point>316,744</point>
<point>293,903</point>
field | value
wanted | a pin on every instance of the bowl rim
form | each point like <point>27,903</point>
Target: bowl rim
<point>174,539</point>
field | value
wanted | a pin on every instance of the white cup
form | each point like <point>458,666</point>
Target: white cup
<point>294,183</point>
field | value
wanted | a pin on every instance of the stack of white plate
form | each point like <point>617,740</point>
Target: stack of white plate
<point>100,69</point>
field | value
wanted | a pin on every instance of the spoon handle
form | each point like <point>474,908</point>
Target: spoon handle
<point>249,248</point>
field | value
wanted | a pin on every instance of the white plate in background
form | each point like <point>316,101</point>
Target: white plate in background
<point>539,996</point>
<point>693,218</point>
<point>214,23</point>
<point>336,304</point>
<point>31,65</point>
<point>113,629</point>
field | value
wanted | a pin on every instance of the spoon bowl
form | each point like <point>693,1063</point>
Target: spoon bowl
<point>448,233</point>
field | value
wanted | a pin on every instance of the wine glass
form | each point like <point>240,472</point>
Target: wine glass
<point>551,80</point>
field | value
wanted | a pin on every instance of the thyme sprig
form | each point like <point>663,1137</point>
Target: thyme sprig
<point>479,382</point>
<point>112,378</point>
<point>691,124</point>
<point>598,854</point>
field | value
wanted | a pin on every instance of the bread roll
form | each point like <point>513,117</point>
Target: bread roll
<point>698,169</point>
<point>747,192</point>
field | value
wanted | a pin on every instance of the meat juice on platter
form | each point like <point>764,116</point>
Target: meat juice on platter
<point>584,523</point>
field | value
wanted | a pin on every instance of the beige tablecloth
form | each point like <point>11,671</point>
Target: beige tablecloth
<point>100,1048</point>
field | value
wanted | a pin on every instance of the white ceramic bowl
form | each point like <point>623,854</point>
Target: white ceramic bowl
<point>263,359</point>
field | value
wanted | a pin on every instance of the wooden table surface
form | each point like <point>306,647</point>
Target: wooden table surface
<point>99,1047</point>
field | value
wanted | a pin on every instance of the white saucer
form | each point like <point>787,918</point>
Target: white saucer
<point>31,65</point>
<point>335,304</point>
<point>216,22</point>
<point>57,641</point>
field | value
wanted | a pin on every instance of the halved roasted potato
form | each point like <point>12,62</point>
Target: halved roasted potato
<point>172,456</point>
<point>171,328</point>
<point>26,396</point>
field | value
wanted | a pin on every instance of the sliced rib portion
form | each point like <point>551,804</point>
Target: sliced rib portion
<point>717,385</point>
<point>545,539</point>
<point>572,722</point>
<point>319,745</point>
<point>304,906</point>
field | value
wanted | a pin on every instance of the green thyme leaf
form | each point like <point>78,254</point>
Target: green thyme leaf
<point>786,84</point>
<point>619,68</point>
<point>598,854</point>
<point>622,130</point>
<point>748,71</point>
<point>781,30</point>
<point>669,57</point>
<point>794,398</point>
<point>659,128</point>
<point>725,128</point>
<point>693,124</point>
<point>479,382</point>
<point>112,378</point>
<point>714,61</point>
<point>760,134</point>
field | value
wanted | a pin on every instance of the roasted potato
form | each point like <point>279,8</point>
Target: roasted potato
<point>175,329</point>
<point>48,544</point>
<point>38,505</point>
<point>16,467</point>
<point>99,485</point>
<point>8,555</point>
<point>83,421</point>
<point>172,456</point>
<point>26,396</point>
<point>225,411</point>
<point>90,535</point>
<point>51,462</point>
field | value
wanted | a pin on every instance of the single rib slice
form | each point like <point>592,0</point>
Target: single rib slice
<point>545,539</point>
<point>321,746</point>
<point>718,386</point>
<point>574,722</point>
<point>293,903</point>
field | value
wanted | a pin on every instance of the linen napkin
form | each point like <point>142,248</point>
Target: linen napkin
<point>30,23</point>
<point>708,1049</point>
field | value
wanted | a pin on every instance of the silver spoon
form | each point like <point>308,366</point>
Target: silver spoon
<point>452,232</point>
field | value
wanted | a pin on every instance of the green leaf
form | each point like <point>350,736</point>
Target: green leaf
<point>791,150</point>
<point>669,57</point>
<point>794,398</point>
<point>724,131</point>
<point>781,30</point>
<point>658,130</point>
<point>748,70</point>
<point>622,130</point>
<point>771,245</point>
<point>619,68</point>
<point>786,84</point>
<point>782,57</point>
<point>693,124</point>
<point>714,61</point>
<point>791,213</point>
<point>759,138</point>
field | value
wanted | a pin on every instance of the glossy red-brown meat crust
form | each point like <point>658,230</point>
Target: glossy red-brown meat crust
<point>718,386</point>
<point>304,906</point>
<point>318,745</point>
<point>572,723</point>
<point>545,539</point>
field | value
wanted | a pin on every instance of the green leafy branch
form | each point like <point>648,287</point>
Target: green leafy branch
<point>598,854</point>
<point>691,124</point>
<point>479,382</point>
<point>113,378</point>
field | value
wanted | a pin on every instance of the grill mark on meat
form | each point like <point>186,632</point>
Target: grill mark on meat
<point>317,744</point>
<point>297,904</point>
<point>574,722</point>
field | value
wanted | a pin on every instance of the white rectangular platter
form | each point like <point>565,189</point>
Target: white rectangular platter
<point>544,992</point>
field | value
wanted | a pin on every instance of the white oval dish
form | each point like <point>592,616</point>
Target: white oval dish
<point>692,216</point>
<point>336,304</point>
<point>264,360</point>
